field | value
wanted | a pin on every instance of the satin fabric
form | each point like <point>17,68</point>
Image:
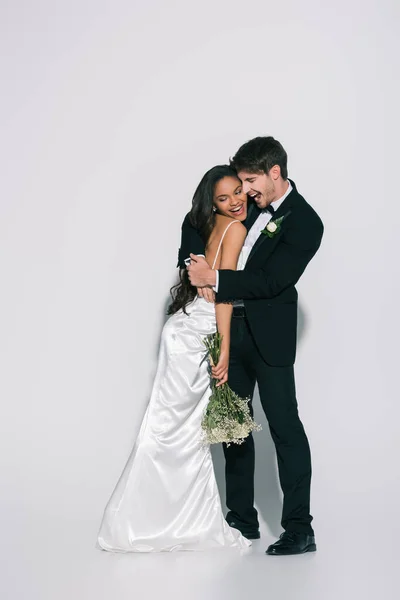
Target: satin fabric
<point>167,497</point>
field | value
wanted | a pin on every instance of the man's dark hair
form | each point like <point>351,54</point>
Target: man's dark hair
<point>259,155</point>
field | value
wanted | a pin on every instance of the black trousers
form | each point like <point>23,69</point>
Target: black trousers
<point>278,398</point>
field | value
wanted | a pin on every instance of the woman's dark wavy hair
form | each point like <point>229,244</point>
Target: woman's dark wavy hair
<point>202,217</point>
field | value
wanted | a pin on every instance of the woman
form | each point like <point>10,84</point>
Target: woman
<point>167,497</point>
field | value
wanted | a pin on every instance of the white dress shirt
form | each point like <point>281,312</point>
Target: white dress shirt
<point>255,233</point>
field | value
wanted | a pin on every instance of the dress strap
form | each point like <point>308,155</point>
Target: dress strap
<point>221,240</point>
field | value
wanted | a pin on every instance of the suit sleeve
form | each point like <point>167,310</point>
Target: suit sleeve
<point>282,269</point>
<point>191,242</point>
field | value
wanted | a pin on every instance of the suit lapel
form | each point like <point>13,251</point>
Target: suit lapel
<point>282,210</point>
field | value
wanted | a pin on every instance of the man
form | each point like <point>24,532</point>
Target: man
<point>284,234</point>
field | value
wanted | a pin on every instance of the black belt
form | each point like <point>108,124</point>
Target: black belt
<point>239,311</point>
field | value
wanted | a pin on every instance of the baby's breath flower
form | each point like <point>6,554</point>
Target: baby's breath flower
<point>227,417</point>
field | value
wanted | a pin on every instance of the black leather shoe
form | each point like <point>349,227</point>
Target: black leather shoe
<point>253,534</point>
<point>291,542</point>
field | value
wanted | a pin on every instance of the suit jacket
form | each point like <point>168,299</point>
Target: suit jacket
<point>191,242</point>
<point>267,283</point>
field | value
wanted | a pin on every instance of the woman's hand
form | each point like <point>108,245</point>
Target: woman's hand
<point>207,293</point>
<point>220,371</point>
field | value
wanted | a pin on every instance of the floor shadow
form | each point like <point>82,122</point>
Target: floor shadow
<point>165,315</point>
<point>163,318</point>
<point>301,324</point>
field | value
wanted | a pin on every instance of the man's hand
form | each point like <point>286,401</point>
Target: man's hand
<point>200,274</point>
<point>207,293</point>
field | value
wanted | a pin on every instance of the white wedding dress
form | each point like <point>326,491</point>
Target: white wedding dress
<point>167,497</point>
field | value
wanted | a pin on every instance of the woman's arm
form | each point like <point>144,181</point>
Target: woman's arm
<point>231,247</point>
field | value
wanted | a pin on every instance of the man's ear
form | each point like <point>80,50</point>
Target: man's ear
<point>275,172</point>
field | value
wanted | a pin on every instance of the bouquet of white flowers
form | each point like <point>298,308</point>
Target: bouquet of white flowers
<point>227,417</point>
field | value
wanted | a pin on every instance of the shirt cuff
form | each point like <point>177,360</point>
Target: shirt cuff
<point>187,260</point>
<point>216,286</point>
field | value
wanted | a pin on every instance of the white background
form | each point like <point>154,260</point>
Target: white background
<point>111,111</point>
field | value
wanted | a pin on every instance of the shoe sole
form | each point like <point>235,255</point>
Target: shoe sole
<point>310,548</point>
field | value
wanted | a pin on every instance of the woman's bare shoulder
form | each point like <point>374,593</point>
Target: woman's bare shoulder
<point>239,228</point>
<point>222,222</point>
<point>235,233</point>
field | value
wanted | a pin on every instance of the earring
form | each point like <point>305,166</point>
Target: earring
<point>214,209</point>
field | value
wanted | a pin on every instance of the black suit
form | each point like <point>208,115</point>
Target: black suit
<point>263,349</point>
<point>191,242</point>
<point>267,284</point>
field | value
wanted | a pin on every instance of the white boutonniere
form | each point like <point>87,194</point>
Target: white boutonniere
<point>274,226</point>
